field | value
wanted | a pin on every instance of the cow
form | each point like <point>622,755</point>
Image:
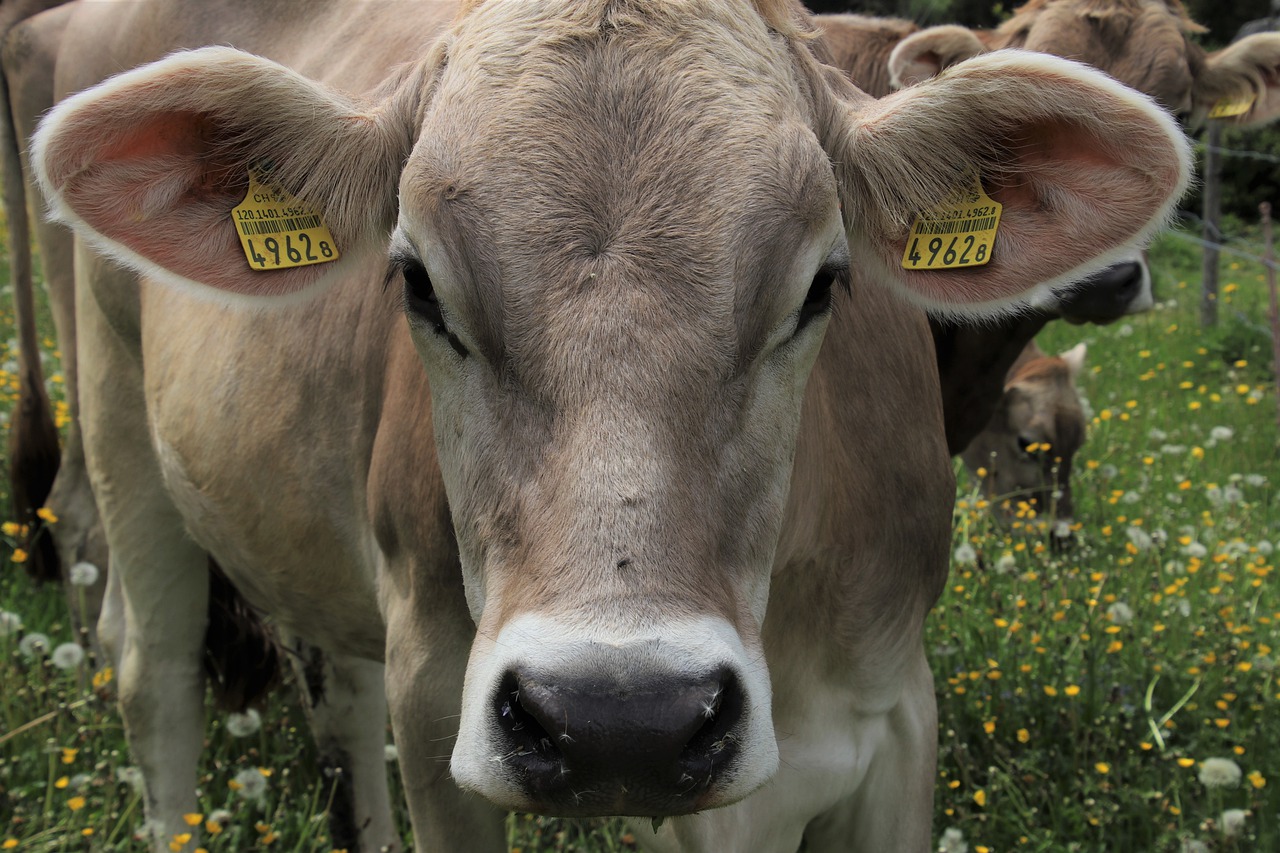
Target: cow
<point>1025,454</point>
<point>1143,43</point>
<point>600,418</point>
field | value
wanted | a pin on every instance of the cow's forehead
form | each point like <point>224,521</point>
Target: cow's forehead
<point>1142,43</point>
<point>628,164</point>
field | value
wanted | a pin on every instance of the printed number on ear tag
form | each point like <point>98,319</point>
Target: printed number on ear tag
<point>1229,107</point>
<point>958,233</point>
<point>277,231</point>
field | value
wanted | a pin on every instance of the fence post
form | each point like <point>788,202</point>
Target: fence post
<point>1269,255</point>
<point>1212,224</point>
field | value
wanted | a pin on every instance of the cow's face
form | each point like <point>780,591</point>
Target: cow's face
<point>1142,44</point>
<point>618,264</point>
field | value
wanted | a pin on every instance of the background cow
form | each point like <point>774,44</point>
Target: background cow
<point>672,442</point>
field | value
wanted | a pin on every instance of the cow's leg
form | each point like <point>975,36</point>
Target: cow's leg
<point>892,808</point>
<point>346,703</point>
<point>162,574</point>
<point>426,659</point>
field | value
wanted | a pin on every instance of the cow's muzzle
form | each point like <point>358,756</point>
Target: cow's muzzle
<point>606,745</point>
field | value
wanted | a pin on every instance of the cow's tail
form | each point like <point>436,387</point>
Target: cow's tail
<point>241,656</point>
<point>34,453</point>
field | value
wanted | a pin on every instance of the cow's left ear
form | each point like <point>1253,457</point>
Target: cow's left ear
<point>926,53</point>
<point>1240,83</point>
<point>1084,168</point>
<point>149,165</point>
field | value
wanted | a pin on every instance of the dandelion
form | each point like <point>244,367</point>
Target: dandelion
<point>1255,480</point>
<point>130,776</point>
<point>1221,433</point>
<point>250,784</point>
<point>1023,735</point>
<point>1102,767</point>
<point>83,574</point>
<point>980,797</point>
<point>34,645</point>
<point>1264,547</point>
<point>1140,538</point>
<point>10,623</point>
<point>1195,549</point>
<point>46,515</point>
<point>1125,331</point>
<point>243,725</point>
<point>19,555</point>
<point>1006,565</point>
<point>1191,845</point>
<point>965,555</point>
<point>76,803</point>
<point>390,753</point>
<point>1219,773</point>
<point>1232,822</point>
<point>952,841</point>
<point>68,656</point>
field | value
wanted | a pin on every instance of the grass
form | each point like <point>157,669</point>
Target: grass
<point>1088,698</point>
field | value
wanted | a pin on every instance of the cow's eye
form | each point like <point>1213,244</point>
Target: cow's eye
<point>420,300</point>
<point>818,300</point>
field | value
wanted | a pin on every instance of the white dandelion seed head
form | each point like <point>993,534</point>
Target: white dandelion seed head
<point>952,841</point>
<point>1184,607</point>
<point>1131,497</point>
<point>1232,822</point>
<point>1264,663</point>
<point>10,623</point>
<point>1173,449</point>
<point>243,725</point>
<point>390,753</point>
<point>1255,480</point>
<point>131,776</point>
<point>68,656</point>
<point>1219,773</point>
<point>253,785</point>
<point>1140,538</point>
<point>34,645</point>
<point>1191,845</point>
<point>1006,565</point>
<point>1159,537</point>
<point>1125,331</point>
<point>1222,433</point>
<point>83,574</point>
<point>1235,548</point>
<point>80,780</point>
<point>1195,549</point>
<point>1265,548</point>
<point>964,555</point>
<point>1109,471</point>
<point>1214,494</point>
<point>1157,434</point>
<point>219,816</point>
<point>1120,613</point>
<point>1232,495</point>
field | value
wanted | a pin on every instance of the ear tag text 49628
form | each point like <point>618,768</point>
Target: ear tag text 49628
<point>957,233</point>
<point>278,231</point>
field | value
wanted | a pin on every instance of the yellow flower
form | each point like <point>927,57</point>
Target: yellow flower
<point>1193,405</point>
<point>9,843</point>
<point>989,726</point>
<point>1023,735</point>
<point>1242,389</point>
<point>1050,690</point>
<point>19,555</point>
<point>1186,762</point>
<point>1072,690</point>
<point>980,797</point>
<point>47,515</point>
<point>103,677</point>
<point>1197,452</point>
<point>62,782</point>
<point>10,528</point>
<point>192,819</point>
<point>69,754</point>
<point>1221,722</point>
<point>87,831</point>
<point>75,803</point>
<point>1102,767</point>
<point>212,827</point>
<point>1257,780</point>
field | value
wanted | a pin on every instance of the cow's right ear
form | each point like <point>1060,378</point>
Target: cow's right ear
<point>926,53</point>
<point>1074,359</point>
<point>148,166</point>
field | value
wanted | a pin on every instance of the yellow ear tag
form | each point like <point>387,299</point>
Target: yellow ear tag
<point>1229,107</point>
<point>277,231</point>
<point>958,233</point>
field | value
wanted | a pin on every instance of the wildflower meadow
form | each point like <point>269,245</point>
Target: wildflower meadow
<point>1119,694</point>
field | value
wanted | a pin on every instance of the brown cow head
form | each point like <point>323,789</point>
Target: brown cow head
<point>1025,454</point>
<point>622,229</point>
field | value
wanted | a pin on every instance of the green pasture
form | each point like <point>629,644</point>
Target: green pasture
<point>1121,695</point>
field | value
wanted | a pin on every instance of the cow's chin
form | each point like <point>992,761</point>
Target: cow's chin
<point>561,717</point>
